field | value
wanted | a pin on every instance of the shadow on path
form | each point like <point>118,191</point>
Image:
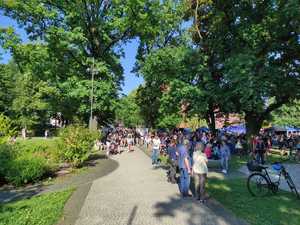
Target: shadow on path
<point>196,214</point>
<point>132,215</point>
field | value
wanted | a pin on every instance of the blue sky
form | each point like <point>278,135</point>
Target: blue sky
<point>131,81</point>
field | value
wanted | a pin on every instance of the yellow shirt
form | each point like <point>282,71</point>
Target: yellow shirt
<point>200,163</point>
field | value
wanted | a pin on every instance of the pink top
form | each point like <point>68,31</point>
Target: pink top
<point>208,152</point>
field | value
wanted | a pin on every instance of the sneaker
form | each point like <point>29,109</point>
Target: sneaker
<point>223,171</point>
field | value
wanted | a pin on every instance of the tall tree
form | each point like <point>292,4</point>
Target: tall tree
<point>254,47</point>
<point>76,32</point>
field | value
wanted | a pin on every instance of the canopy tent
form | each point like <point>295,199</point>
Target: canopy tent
<point>238,129</point>
<point>187,130</point>
<point>203,129</point>
<point>283,129</point>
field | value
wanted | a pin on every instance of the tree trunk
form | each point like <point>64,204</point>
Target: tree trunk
<point>211,121</point>
<point>254,123</point>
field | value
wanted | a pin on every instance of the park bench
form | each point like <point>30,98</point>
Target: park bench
<point>281,152</point>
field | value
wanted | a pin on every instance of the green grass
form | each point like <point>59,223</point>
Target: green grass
<point>36,141</point>
<point>41,210</point>
<point>280,209</point>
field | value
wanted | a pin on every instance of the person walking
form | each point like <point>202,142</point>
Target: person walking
<point>185,170</point>
<point>225,155</point>
<point>199,171</point>
<point>155,149</point>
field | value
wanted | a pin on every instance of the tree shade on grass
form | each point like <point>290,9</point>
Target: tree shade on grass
<point>41,210</point>
<point>280,209</point>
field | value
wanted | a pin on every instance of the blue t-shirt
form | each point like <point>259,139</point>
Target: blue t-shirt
<point>182,154</point>
<point>172,153</point>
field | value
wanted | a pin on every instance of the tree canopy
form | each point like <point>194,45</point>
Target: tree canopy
<point>197,58</point>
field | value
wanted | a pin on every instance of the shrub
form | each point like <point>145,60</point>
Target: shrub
<point>6,129</point>
<point>26,168</point>
<point>76,144</point>
<point>6,155</point>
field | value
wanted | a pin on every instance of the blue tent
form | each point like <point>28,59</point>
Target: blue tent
<point>203,129</point>
<point>239,129</point>
<point>291,129</point>
<point>187,130</point>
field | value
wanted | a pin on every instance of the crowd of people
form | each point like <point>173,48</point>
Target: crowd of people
<point>118,140</point>
<point>188,153</point>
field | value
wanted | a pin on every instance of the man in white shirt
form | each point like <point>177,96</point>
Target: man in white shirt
<point>155,149</point>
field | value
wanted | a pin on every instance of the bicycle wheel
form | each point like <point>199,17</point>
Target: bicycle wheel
<point>292,185</point>
<point>258,185</point>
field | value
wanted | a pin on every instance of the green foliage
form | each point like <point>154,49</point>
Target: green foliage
<point>76,144</point>
<point>26,168</point>
<point>288,114</point>
<point>128,111</point>
<point>246,58</point>
<point>7,154</point>
<point>32,104</point>
<point>40,210</point>
<point>6,129</point>
<point>73,34</point>
<point>28,160</point>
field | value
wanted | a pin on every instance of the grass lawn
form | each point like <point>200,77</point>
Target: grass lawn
<point>38,141</point>
<point>280,209</point>
<point>40,210</point>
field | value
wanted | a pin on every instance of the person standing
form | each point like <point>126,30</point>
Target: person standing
<point>172,161</point>
<point>225,155</point>
<point>200,171</point>
<point>185,170</point>
<point>155,149</point>
<point>260,151</point>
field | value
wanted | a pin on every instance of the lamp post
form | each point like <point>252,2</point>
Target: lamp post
<point>93,71</point>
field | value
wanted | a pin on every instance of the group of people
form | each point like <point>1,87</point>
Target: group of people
<point>263,143</point>
<point>120,139</point>
<point>189,154</point>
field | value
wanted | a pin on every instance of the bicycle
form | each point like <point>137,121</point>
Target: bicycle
<point>259,182</point>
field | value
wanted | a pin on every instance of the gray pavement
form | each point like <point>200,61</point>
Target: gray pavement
<point>137,193</point>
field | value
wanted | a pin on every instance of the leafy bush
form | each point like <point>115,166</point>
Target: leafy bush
<point>19,166</point>
<point>26,168</point>
<point>76,144</point>
<point>6,155</point>
<point>6,129</point>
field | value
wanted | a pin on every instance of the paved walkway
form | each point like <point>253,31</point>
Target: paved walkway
<point>136,193</point>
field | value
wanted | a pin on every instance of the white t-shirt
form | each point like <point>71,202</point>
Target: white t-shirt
<point>200,163</point>
<point>156,143</point>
